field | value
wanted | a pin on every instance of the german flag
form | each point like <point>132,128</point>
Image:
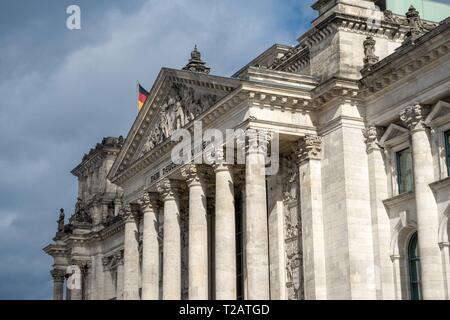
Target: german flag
<point>142,96</point>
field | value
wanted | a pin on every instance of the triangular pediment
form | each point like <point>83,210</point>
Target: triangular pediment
<point>393,135</point>
<point>439,113</point>
<point>176,99</point>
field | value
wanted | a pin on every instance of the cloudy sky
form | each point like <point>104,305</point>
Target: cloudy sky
<point>62,91</point>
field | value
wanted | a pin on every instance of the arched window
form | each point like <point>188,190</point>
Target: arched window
<point>414,269</point>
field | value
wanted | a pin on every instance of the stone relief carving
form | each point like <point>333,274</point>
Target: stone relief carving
<point>182,105</point>
<point>292,226</point>
<point>290,186</point>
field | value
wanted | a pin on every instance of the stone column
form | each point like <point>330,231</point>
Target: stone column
<point>381,229</point>
<point>257,245</point>
<point>120,276</point>
<point>198,233</point>
<point>58,284</point>
<point>225,234</point>
<point>172,240</point>
<point>309,159</point>
<point>427,213</point>
<point>131,255</point>
<point>150,251</point>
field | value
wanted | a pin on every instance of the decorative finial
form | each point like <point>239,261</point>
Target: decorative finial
<point>369,52</point>
<point>196,64</point>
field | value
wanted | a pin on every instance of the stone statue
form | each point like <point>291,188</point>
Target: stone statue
<point>179,116</point>
<point>61,220</point>
<point>80,214</point>
<point>369,52</point>
<point>165,129</point>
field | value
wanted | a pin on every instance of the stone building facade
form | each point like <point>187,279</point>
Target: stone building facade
<point>356,118</point>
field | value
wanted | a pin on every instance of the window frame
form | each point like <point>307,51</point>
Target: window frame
<point>399,173</point>
<point>414,262</point>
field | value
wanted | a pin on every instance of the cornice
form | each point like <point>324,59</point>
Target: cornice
<point>334,88</point>
<point>294,60</point>
<point>112,230</point>
<point>341,21</point>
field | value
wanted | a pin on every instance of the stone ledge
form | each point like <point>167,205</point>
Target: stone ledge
<point>391,202</point>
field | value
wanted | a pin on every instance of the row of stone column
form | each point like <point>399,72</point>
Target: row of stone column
<point>168,198</point>
<point>169,191</point>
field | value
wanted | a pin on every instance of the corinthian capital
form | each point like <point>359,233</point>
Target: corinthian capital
<point>258,140</point>
<point>169,189</point>
<point>309,148</point>
<point>149,201</point>
<point>194,174</point>
<point>127,213</point>
<point>372,135</point>
<point>414,116</point>
<point>58,275</point>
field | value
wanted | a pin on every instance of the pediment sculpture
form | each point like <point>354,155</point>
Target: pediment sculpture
<point>182,105</point>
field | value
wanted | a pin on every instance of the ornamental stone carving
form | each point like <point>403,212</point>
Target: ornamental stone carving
<point>58,275</point>
<point>372,135</point>
<point>182,105</point>
<point>414,116</point>
<point>369,52</point>
<point>128,214</point>
<point>111,262</point>
<point>309,148</point>
<point>293,254</point>
<point>81,215</point>
<point>416,28</point>
<point>194,174</point>
<point>149,201</point>
<point>290,179</point>
<point>258,140</point>
<point>169,189</point>
<point>196,64</point>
